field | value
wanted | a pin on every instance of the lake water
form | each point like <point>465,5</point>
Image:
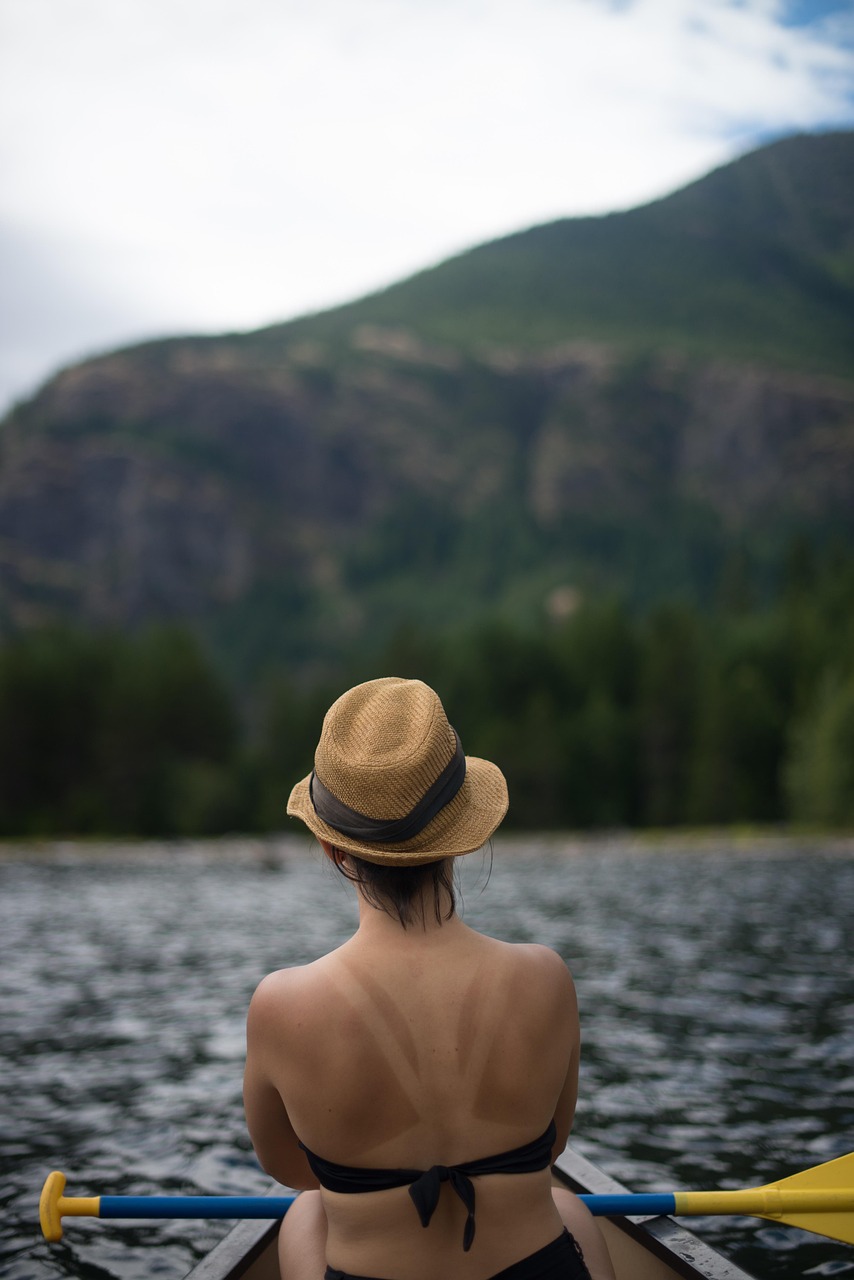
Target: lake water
<point>716,990</point>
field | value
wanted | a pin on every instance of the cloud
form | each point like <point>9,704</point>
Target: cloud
<point>228,163</point>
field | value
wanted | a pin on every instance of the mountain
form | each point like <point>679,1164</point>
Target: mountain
<point>600,404</point>
<point>755,261</point>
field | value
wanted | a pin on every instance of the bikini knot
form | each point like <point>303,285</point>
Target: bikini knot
<point>425,1196</point>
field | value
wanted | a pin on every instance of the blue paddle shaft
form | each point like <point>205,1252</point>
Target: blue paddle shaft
<point>277,1206</point>
<point>630,1205</point>
<point>195,1206</point>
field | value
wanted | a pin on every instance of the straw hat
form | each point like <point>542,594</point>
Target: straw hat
<point>390,781</point>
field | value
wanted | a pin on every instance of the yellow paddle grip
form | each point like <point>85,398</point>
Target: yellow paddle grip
<point>53,1206</point>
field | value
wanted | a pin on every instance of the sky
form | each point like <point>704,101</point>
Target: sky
<point>199,166</point>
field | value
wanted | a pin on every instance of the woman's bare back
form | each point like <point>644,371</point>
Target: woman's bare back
<point>458,1042</point>
<point>435,1047</point>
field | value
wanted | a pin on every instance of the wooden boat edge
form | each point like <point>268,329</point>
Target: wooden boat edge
<point>677,1247</point>
<point>246,1244</point>
<point>250,1244</point>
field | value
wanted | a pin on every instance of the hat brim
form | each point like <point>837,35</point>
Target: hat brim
<point>463,826</point>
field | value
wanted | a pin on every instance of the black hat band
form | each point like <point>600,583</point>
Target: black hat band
<point>349,822</point>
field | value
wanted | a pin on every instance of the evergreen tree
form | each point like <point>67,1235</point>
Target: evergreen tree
<point>674,667</point>
<point>820,772</point>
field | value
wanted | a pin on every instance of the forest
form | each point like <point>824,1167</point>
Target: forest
<point>677,715</point>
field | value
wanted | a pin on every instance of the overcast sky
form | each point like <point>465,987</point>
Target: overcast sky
<point>173,166</point>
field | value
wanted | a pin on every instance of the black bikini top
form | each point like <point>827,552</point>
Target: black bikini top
<point>424,1185</point>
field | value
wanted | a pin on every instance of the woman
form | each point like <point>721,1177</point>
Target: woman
<point>422,1076</point>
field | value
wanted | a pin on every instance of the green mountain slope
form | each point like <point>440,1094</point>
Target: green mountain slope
<point>755,261</point>
<point>616,404</point>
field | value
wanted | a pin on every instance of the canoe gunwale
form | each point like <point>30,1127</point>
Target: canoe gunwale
<point>245,1242</point>
<point>680,1248</point>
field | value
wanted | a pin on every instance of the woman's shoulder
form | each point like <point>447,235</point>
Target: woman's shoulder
<point>291,992</point>
<point>534,967</point>
<point>532,955</point>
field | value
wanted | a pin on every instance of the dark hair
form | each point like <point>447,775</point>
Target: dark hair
<point>400,891</point>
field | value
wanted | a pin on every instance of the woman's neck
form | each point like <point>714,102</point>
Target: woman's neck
<point>424,921</point>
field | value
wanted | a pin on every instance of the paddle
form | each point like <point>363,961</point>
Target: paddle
<point>820,1200</point>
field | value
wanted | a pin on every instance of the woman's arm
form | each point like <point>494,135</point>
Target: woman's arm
<point>273,1137</point>
<point>566,1018</point>
<point>565,1109</point>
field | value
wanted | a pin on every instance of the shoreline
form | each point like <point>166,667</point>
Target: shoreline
<point>689,841</point>
<point>279,848</point>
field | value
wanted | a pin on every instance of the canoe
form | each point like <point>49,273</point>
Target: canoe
<point>641,1248</point>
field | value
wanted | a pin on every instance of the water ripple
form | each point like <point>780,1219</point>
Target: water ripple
<point>717,998</point>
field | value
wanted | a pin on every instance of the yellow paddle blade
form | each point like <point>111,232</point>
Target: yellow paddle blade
<point>820,1200</point>
<point>835,1176</point>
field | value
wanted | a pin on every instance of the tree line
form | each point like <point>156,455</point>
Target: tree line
<point>682,715</point>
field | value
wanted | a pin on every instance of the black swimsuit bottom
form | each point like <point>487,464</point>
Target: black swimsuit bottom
<point>560,1260</point>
